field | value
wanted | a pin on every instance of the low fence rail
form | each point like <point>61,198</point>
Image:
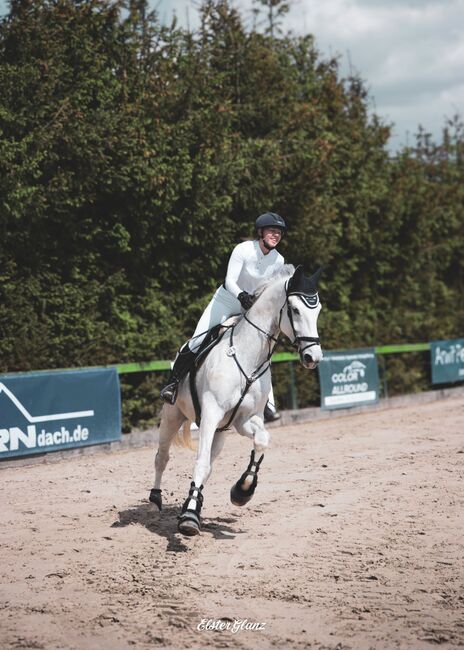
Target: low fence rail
<point>290,358</point>
<point>50,410</point>
<point>154,366</point>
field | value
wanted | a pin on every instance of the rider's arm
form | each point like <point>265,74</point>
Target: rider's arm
<point>233,271</point>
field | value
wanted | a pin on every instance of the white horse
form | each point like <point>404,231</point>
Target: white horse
<point>233,384</point>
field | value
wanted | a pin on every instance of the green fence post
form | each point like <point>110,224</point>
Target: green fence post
<point>383,366</point>
<point>293,389</point>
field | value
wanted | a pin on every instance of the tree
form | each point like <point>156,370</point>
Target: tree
<point>134,155</point>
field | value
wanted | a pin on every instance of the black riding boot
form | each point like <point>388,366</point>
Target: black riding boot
<point>182,365</point>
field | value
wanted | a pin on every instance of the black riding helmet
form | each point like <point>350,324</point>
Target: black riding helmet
<point>270,220</point>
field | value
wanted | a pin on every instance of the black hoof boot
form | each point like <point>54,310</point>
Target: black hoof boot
<point>245,487</point>
<point>155,497</point>
<point>189,523</point>
<point>189,520</point>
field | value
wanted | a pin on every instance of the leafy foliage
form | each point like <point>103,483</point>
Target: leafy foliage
<point>134,155</point>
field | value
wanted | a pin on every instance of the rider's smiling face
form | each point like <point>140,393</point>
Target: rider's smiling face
<point>271,236</point>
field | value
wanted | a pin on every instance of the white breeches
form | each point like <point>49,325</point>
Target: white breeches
<point>222,306</point>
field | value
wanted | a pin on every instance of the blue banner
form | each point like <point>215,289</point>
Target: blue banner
<point>447,361</point>
<point>349,378</point>
<point>48,411</point>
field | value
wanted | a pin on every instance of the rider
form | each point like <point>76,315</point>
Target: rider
<point>250,262</point>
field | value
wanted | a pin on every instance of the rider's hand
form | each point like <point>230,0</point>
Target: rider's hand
<point>246,299</point>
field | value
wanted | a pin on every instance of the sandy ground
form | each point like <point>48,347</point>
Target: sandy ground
<point>354,539</point>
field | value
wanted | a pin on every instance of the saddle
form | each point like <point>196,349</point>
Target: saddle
<point>213,337</point>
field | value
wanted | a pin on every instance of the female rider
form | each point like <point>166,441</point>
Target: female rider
<point>250,262</point>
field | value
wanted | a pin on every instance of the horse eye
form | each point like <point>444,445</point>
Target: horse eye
<point>295,310</point>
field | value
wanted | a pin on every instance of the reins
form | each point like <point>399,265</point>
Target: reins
<point>269,336</point>
<point>256,374</point>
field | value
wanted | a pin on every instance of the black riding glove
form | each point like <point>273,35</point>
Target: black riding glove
<point>246,299</point>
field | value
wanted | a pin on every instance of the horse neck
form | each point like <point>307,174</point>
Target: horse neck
<point>265,314</point>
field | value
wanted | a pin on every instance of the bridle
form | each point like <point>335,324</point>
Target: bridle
<point>311,301</point>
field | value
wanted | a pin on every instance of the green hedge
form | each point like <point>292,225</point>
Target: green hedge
<point>134,155</point>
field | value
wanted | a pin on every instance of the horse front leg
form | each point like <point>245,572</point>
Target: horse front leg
<point>189,520</point>
<point>242,491</point>
<point>171,420</point>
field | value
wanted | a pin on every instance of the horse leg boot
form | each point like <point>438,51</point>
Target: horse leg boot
<point>189,520</point>
<point>245,487</point>
<point>182,365</point>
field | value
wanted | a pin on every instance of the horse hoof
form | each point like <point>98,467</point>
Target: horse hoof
<point>237,497</point>
<point>155,497</point>
<point>189,525</point>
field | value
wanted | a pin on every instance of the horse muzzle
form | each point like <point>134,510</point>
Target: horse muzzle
<point>310,358</point>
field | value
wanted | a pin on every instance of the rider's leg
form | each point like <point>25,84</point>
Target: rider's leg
<point>182,364</point>
<point>270,411</point>
<point>222,305</point>
<point>186,357</point>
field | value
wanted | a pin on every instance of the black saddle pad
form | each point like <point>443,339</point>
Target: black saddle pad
<point>213,337</point>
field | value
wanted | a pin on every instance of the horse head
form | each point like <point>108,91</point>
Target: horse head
<point>303,309</point>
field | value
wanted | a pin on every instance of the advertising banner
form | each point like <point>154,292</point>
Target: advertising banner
<point>349,378</point>
<point>447,361</point>
<point>48,411</point>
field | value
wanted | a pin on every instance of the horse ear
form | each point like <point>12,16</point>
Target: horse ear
<point>314,279</point>
<point>296,279</point>
<point>298,275</point>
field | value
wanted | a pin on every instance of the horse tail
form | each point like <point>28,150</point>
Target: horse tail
<point>183,437</point>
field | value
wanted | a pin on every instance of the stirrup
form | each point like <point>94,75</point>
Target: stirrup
<point>169,392</point>
<point>270,415</point>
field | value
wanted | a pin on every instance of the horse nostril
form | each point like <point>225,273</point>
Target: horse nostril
<point>308,358</point>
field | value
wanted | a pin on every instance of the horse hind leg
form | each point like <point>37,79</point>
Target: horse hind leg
<point>171,420</point>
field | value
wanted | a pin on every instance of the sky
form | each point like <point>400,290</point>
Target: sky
<point>410,53</point>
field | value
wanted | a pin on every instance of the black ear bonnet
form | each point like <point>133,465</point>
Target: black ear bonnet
<point>303,287</point>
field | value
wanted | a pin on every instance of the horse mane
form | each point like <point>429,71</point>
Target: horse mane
<point>285,272</point>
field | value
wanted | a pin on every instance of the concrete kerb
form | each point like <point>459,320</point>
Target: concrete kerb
<point>315,413</point>
<point>149,437</point>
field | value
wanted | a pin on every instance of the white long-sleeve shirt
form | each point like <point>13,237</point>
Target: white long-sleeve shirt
<point>248,267</point>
